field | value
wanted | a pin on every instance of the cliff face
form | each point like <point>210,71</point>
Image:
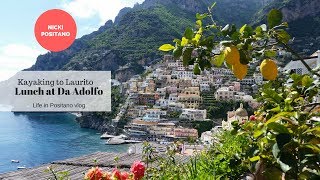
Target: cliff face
<point>92,121</point>
<point>300,9</point>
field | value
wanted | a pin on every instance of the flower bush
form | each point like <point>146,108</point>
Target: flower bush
<point>136,173</point>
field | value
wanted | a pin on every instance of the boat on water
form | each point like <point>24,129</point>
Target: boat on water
<point>15,161</point>
<point>117,141</point>
<point>21,167</point>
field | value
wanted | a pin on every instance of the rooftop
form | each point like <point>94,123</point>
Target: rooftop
<point>75,166</point>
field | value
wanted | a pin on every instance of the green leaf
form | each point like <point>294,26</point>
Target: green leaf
<point>274,18</point>
<point>197,38</point>
<point>275,109</point>
<point>213,5</point>
<point>259,31</point>
<point>166,47</point>
<point>177,52</point>
<point>275,150</point>
<point>218,60</point>
<point>226,43</point>
<point>313,147</point>
<point>184,41</point>
<point>255,158</point>
<point>246,30</point>
<point>199,23</point>
<point>188,33</point>
<point>257,133</point>
<point>187,56</point>
<point>279,128</point>
<point>316,129</point>
<point>283,36</point>
<point>272,94</point>
<point>196,69</point>
<point>270,53</point>
<point>243,28</point>
<point>264,27</point>
<point>225,30</point>
<point>244,57</point>
<point>201,16</point>
<point>306,81</point>
<point>177,41</point>
<point>278,117</point>
<point>284,166</point>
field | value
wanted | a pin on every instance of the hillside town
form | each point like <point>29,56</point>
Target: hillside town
<point>162,102</point>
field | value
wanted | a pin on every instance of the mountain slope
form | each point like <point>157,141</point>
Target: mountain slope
<point>129,43</point>
<point>303,17</point>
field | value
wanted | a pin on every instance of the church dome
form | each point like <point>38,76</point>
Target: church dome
<point>241,112</point>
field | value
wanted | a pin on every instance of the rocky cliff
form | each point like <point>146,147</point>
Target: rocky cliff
<point>95,121</point>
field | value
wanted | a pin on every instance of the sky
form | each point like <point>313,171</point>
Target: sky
<point>18,46</point>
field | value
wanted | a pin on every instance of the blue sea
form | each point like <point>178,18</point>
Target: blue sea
<point>35,139</point>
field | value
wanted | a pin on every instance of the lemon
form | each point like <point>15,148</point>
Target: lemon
<point>269,69</point>
<point>232,55</point>
<point>240,70</point>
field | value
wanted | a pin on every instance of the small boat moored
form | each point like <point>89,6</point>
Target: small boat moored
<point>15,161</point>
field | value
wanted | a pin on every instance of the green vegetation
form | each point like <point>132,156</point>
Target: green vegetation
<point>282,140</point>
<point>220,161</point>
<point>174,114</point>
<point>218,109</point>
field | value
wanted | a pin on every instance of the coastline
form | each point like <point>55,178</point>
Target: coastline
<point>45,137</point>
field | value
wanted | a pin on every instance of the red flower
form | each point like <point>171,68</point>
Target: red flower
<point>252,118</point>
<point>138,169</point>
<point>94,174</point>
<point>116,174</point>
<point>124,176</point>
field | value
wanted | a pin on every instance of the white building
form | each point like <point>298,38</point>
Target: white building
<point>248,81</point>
<point>258,79</point>
<point>163,103</point>
<point>183,74</point>
<point>211,137</point>
<point>224,93</point>
<point>297,66</point>
<point>239,115</point>
<point>204,87</point>
<point>193,114</point>
<point>173,98</point>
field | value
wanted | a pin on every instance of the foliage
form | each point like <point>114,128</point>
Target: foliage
<point>218,162</point>
<point>174,114</point>
<point>283,140</point>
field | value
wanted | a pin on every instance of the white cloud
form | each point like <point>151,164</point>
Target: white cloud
<point>104,9</point>
<point>16,57</point>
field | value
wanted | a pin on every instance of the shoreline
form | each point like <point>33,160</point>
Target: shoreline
<point>53,133</point>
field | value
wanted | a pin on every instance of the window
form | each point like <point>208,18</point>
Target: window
<point>298,71</point>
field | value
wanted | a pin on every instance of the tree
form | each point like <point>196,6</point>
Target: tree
<point>284,136</point>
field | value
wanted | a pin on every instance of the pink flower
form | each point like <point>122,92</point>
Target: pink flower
<point>94,173</point>
<point>252,118</point>
<point>138,169</point>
